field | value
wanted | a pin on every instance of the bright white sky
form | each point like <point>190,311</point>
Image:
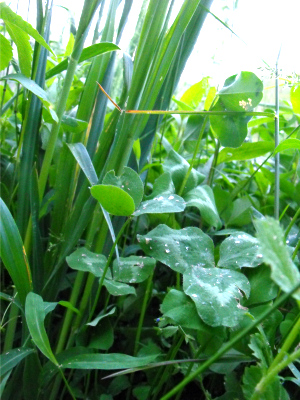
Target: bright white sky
<point>264,25</point>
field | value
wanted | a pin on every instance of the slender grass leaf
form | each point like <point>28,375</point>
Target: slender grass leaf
<point>133,269</point>
<point>275,253</point>
<point>178,248</point>
<point>107,361</point>
<point>82,157</point>
<point>202,197</point>
<point>9,16</point>
<point>181,309</point>
<point>12,358</point>
<point>118,288</point>
<point>101,316</point>
<point>13,254</point>
<point>260,121</point>
<point>288,144</point>
<point>6,52</point>
<point>87,53</point>
<point>113,199</point>
<point>4,381</point>
<point>246,151</point>
<point>239,250</point>
<point>129,181</point>
<point>217,294</point>
<point>177,166</point>
<point>35,315</point>
<point>10,299</point>
<point>84,260</point>
<point>170,203</point>
<point>241,92</point>
<point>21,40</point>
<point>68,305</point>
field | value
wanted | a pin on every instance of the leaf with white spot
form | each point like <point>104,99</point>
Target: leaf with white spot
<point>84,260</point>
<point>217,294</point>
<point>133,269</point>
<point>239,250</point>
<point>118,288</point>
<point>178,248</point>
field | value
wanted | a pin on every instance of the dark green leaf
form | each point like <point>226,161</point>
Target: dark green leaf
<point>133,269</point>
<point>216,293</point>
<point>170,203</point>
<point>181,309</point>
<point>101,316</point>
<point>163,185</point>
<point>178,248</point>
<point>35,315</point>
<point>13,254</point>
<point>12,358</point>
<point>177,166</point>
<point>263,289</point>
<point>202,197</point>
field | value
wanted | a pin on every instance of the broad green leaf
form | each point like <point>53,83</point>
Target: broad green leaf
<point>21,40</point>
<point>231,130</point>
<point>263,289</point>
<point>163,185</point>
<point>181,309</point>
<point>101,316</point>
<point>6,52</point>
<point>241,212</point>
<point>275,253</point>
<point>113,199</point>
<point>9,16</point>
<point>84,260</point>
<point>118,288</point>
<point>246,151</point>
<point>178,248</point>
<point>89,52</point>
<point>129,181</point>
<point>202,197</point>
<point>12,358</point>
<point>170,203</point>
<point>295,98</point>
<point>287,144</point>
<point>193,126</point>
<point>133,269</point>
<point>35,315</point>
<point>193,95</point>
<point>239,250</point>
<point>241,92</point>
<point>177,166</point>
<point>13,254</point>
<point>216,293</point>
<point>107,361</point>
<point>102,336</point>
<point>182,106</point>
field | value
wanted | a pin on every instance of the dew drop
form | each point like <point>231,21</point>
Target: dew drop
<point>167,251</point>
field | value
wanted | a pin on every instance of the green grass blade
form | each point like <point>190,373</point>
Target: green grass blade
<point>12,358</point>
<point>13,253</point>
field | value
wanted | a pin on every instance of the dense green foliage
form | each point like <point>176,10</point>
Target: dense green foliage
<point>144,242</point>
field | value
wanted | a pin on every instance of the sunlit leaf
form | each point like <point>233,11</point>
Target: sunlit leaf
<point>246,151</point>
<point>295,98</point>
<point>6,52</point>
<point>113,199</point>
